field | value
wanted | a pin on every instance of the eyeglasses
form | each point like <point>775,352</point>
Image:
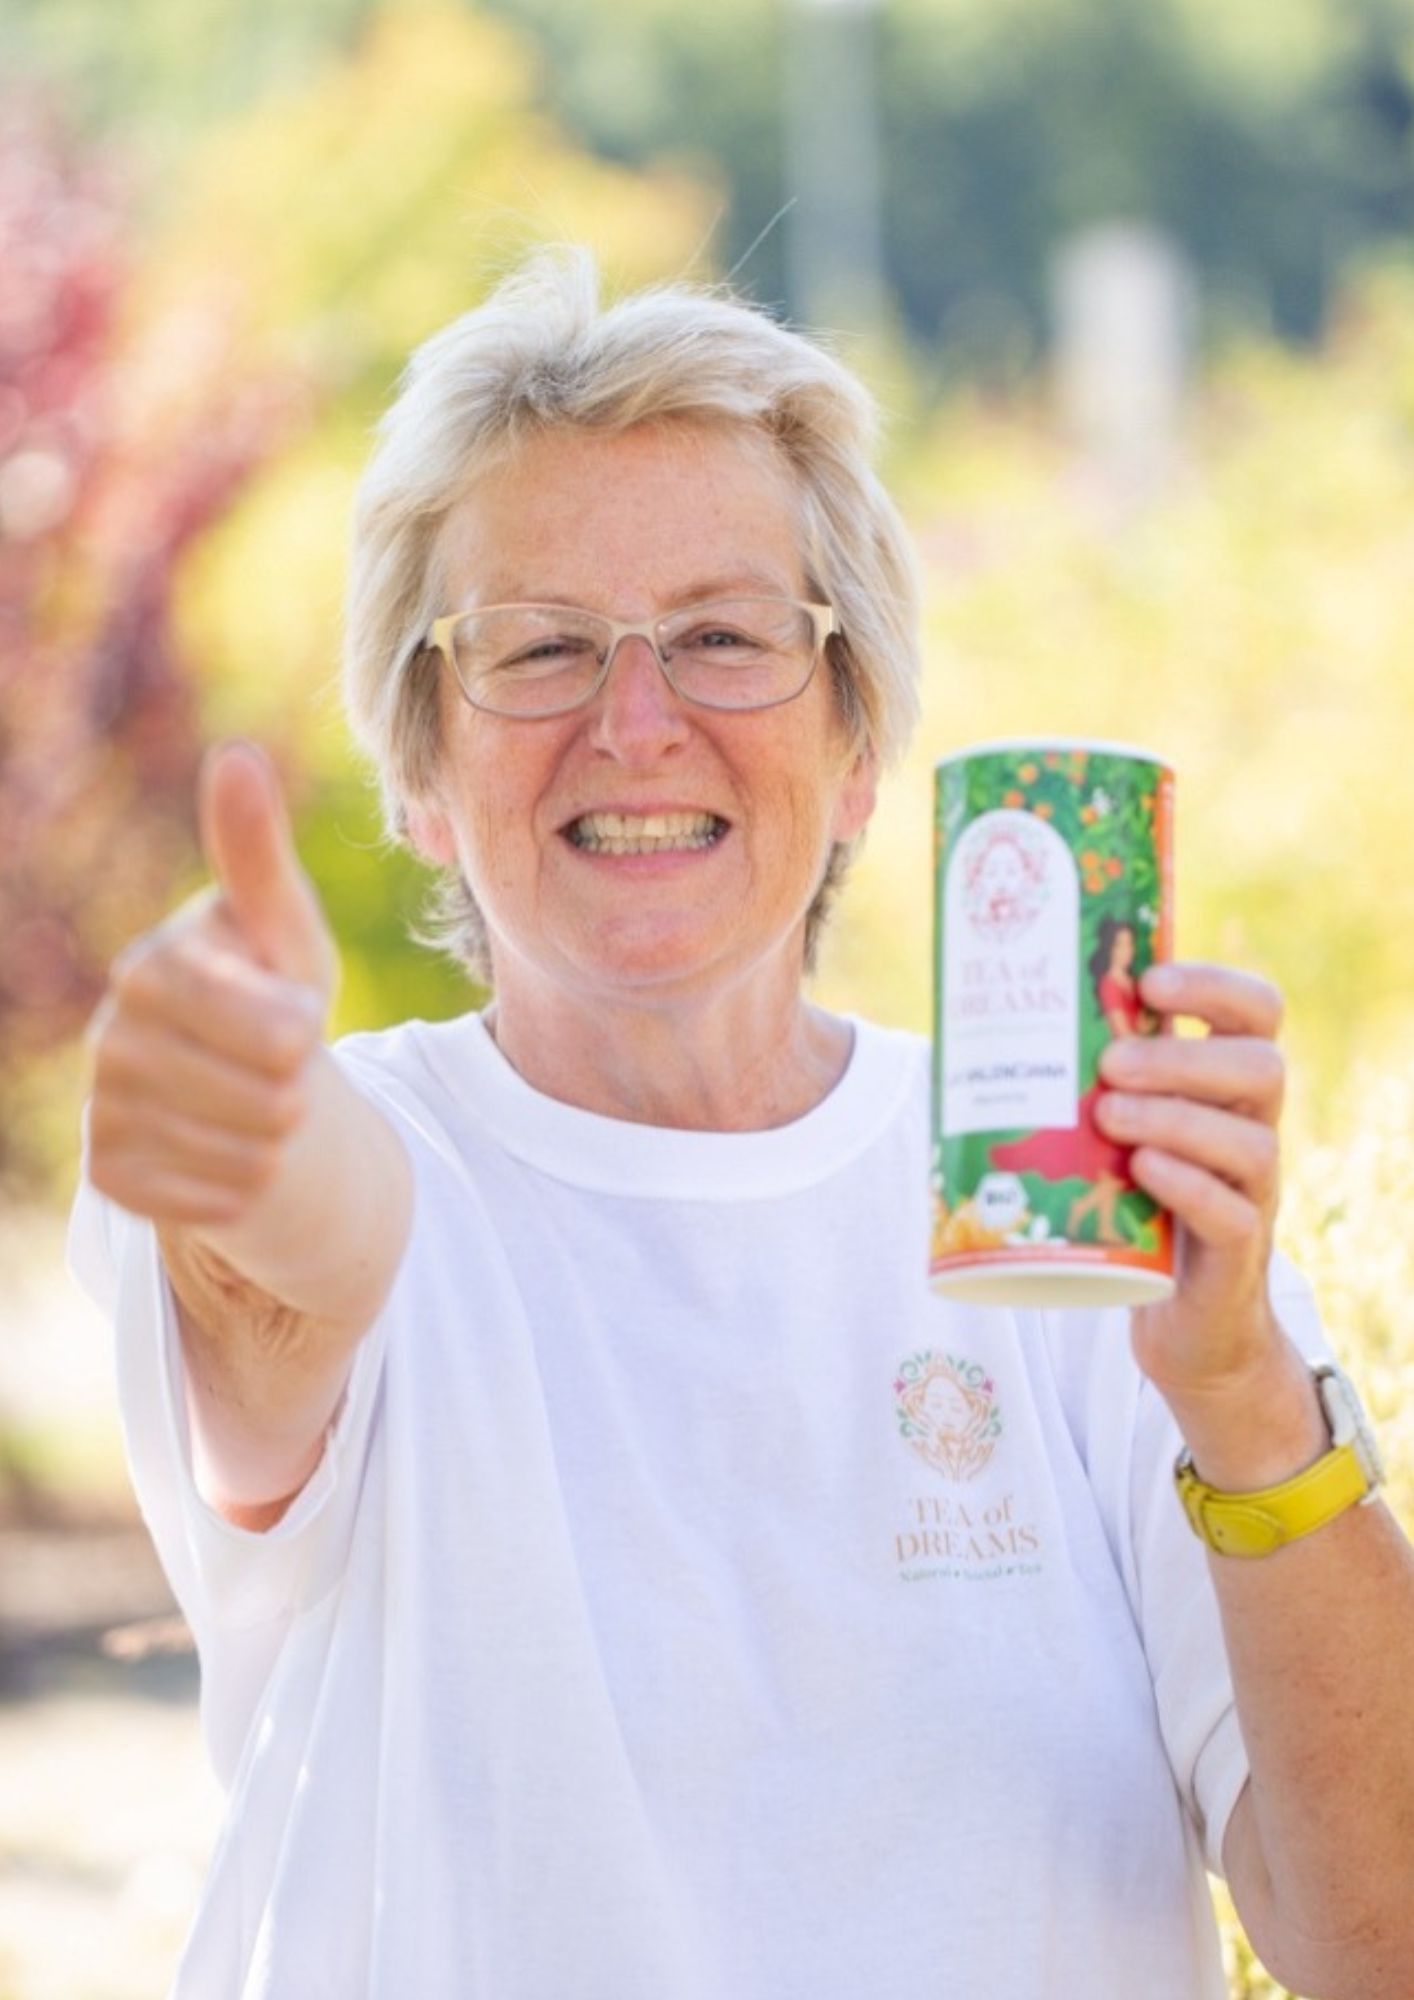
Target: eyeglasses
<point>544,659</point>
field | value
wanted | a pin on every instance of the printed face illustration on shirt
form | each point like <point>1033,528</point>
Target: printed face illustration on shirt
<point>945,1406</point>
<point>948,1413</point>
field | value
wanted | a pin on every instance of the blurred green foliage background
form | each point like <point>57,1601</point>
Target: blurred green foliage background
<point>224,225</point>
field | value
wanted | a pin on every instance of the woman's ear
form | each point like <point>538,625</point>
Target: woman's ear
<point>855,805</point>
<point>431,835</point>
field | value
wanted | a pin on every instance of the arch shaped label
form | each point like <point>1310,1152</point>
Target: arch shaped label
<point>1009,978</point>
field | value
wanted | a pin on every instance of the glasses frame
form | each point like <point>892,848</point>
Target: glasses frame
<point>824,621</point>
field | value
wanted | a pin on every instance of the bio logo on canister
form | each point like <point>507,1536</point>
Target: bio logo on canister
<point>1053,894</point>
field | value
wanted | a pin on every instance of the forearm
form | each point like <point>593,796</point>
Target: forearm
<point>272,1308</point>
<point>1320,1638</point>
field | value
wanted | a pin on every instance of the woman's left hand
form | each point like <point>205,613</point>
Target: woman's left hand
<point>1202,1114</point>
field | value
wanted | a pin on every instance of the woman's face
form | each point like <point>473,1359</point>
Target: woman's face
<point>945,1405</point>
<point>1002,872</point>
<point>633,526</point>
<point>1122,950</point>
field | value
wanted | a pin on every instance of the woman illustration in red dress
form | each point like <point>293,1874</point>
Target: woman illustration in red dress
<point>1082,1149</point>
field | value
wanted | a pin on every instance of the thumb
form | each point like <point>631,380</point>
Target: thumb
<point>247,841</point>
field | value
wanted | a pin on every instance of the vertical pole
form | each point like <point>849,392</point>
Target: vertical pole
<point>834,253</point>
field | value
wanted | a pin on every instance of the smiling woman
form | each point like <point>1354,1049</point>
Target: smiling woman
<point>587,1604</point>
<point>641,839</point>
<point>545,365</point>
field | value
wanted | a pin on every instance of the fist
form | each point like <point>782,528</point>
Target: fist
<point>203,1044</point>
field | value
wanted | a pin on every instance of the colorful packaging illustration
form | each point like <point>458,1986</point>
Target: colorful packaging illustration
<point>1053,892</point>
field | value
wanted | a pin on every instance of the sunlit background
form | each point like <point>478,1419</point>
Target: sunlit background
<point>1133,281</point>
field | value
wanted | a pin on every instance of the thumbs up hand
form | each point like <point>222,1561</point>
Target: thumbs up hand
<point>246,838</point>
<point>204,1045</point>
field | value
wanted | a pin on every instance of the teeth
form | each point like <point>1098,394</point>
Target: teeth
<point>645,833</point>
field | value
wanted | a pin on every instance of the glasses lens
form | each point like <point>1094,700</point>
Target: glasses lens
<point>528,659</point>
<point>742,652</point>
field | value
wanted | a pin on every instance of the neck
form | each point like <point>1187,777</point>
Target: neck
<point>740,1062</point>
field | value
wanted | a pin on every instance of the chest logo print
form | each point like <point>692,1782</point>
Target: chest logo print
<point>948,1413</point>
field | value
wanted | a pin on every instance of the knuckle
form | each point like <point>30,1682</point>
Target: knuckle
<point>290,1037</point>
<point>287,1107</point>
<point>1257,1080</point>
<point>115,1057</point>
<point>1271,1003</point>
<point>1274,1067</point>
<point>137,976</point>
<point>103,1170</point>
<point>1189,1117</point>
<point>260,1165</point>
<point>106,1129</point>
<point>1229,1226</point>
<point>1267,1157</point>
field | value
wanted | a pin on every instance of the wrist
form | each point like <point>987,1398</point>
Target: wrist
<point>1257,1431</point>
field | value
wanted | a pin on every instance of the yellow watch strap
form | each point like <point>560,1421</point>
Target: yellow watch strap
<point>1253,1524</point>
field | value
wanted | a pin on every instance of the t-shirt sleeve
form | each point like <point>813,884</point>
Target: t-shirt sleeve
<point>1176,1604</point>
<point>225,1578</point>
<point>239,1591</point>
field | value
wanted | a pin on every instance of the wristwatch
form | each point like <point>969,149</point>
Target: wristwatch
<point>1253,1524</point>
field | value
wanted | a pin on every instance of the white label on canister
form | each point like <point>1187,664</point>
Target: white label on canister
<point>1010,977</point>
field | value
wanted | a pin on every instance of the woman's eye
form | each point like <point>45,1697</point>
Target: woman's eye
<point>717,638</point>
<point>547,652</point>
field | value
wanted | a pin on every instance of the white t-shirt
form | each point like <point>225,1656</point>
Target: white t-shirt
<point>689,1604</point>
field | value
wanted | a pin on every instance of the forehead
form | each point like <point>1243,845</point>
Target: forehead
<point>629,521</point>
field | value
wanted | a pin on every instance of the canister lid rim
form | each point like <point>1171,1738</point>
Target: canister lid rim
<point>1106,746</point>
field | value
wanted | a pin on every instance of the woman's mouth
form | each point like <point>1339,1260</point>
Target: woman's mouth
<point>644,833</point>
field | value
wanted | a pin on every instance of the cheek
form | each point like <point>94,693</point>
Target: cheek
<point>504,831</point>
<point>494,784</point>
<point>494,843</point>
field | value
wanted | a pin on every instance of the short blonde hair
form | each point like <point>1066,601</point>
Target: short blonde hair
<point>541,354</point>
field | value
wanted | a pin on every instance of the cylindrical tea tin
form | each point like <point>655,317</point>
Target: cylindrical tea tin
<point>1053,893</point>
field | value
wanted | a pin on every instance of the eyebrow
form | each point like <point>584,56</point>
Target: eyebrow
<point>731,583</point>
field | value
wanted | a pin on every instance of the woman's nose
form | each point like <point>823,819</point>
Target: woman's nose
<point>636,713</point>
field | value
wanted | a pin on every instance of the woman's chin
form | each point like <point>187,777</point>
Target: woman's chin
<point>641,961</point>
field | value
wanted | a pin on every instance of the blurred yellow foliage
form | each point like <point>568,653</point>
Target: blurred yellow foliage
<point>1251,624</point>
<point>356,214</point>
<point>337,226</point>
<point>1340,1222</point>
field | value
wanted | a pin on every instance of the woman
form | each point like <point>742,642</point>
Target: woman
<point>510,1398</point>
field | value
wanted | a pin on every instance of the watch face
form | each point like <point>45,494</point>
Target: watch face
<point>1346,1415</point>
